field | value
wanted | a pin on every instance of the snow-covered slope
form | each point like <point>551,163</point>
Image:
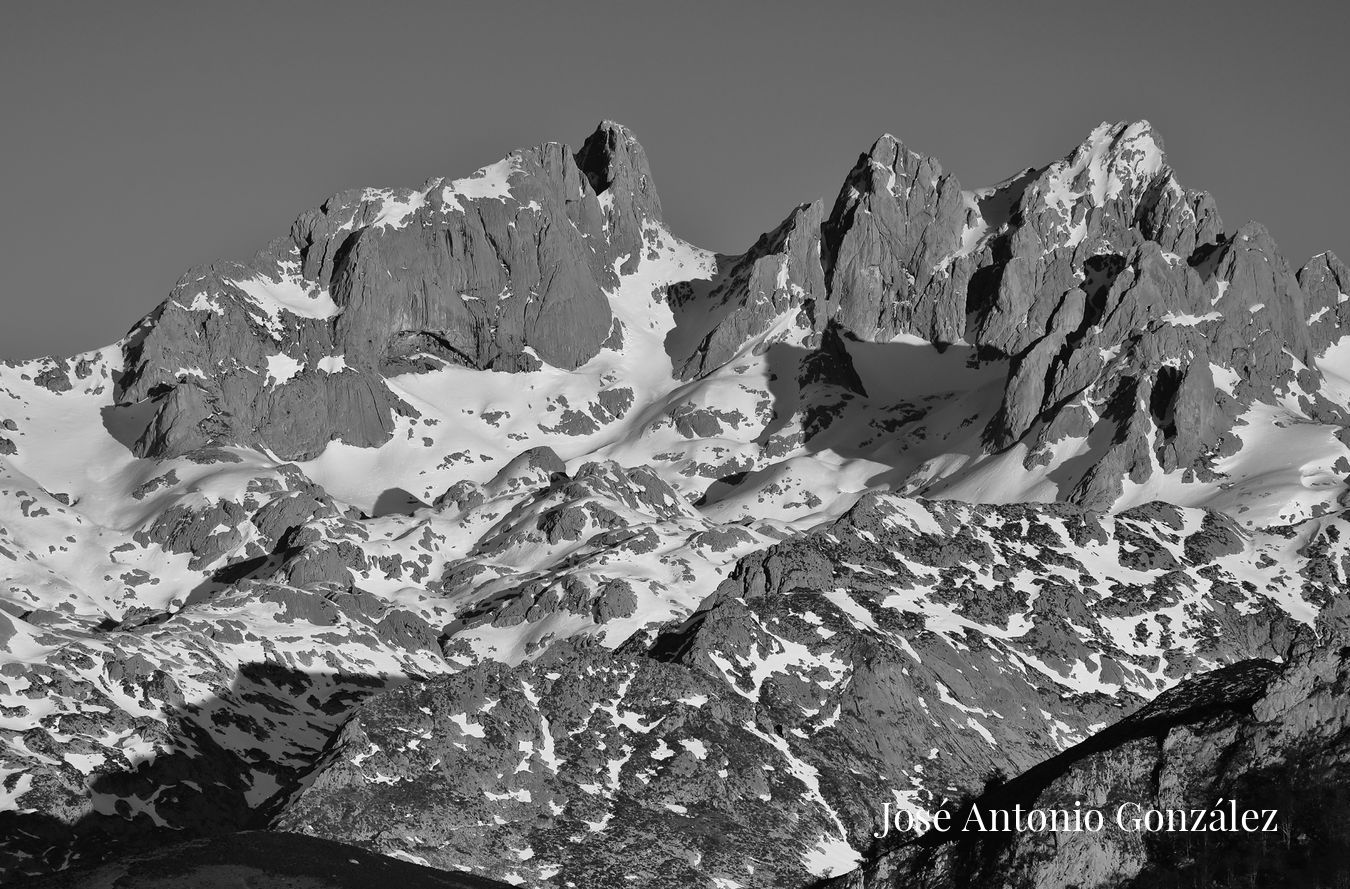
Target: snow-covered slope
<point>505,453</point>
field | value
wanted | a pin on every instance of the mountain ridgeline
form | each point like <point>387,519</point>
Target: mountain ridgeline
<point>1113,293</point>
<point>491,526</point>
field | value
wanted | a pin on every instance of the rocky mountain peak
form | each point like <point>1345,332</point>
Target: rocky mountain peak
<point>1325,281</point>
<point>615,163</point>
<point>1133,148</point>
<point>506,270</point>
<point>615,167</point>
<point>890,165</point>
<point>489,515</point>
<point>1113,293</point>
<point>890,152</point>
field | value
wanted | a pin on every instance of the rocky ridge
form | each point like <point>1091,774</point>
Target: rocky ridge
<point>490,515</point>
<point>1255,736</point>
<point>503,270</point>
<point>262,860</point>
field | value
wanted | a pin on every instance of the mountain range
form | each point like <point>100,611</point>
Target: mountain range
<point>490,526</point>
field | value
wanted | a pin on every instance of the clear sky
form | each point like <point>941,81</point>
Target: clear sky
<point>138,140</point>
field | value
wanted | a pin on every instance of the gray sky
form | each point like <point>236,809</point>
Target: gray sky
<point>141,139</point>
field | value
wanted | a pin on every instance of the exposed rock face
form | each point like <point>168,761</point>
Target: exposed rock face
<point>1113,295</point>
<point>489,525</point>
<point>615,165</point>
<point>477,286</point>
<point>1112,292</point>
<point>502,270</point>
<point>894,228</point>
<point>1326,281</point>
<point>1254,737</point>
<point>780,275</point>
<point>949,620</point>
<point>205,742</point>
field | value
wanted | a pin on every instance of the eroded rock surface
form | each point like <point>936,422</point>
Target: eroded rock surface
<point>1254,737</point>
<point>489,525</point>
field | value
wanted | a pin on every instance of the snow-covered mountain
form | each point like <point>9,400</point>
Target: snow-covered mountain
<point>489,525</point>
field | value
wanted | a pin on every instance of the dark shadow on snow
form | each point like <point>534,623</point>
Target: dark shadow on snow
<point>395,501</point>
<point>881,402</point>
<point>127,422</point>
<point>199,787</point>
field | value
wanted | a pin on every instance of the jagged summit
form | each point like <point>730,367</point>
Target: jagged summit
<point>887,150</point>
<point>489,514</point>
<point>1135,143</point>
<point>1111,155</point>
<point>613,157</point>
<point>1111,295</point>
<point>1100,280</point>
<point>1091,278</point>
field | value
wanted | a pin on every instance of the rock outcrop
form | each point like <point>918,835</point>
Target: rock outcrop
<point>1113,294</point>
<point>920,645</point>
<point>1174,782</point>
<point>506,270</point>
<point>490,526</point>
